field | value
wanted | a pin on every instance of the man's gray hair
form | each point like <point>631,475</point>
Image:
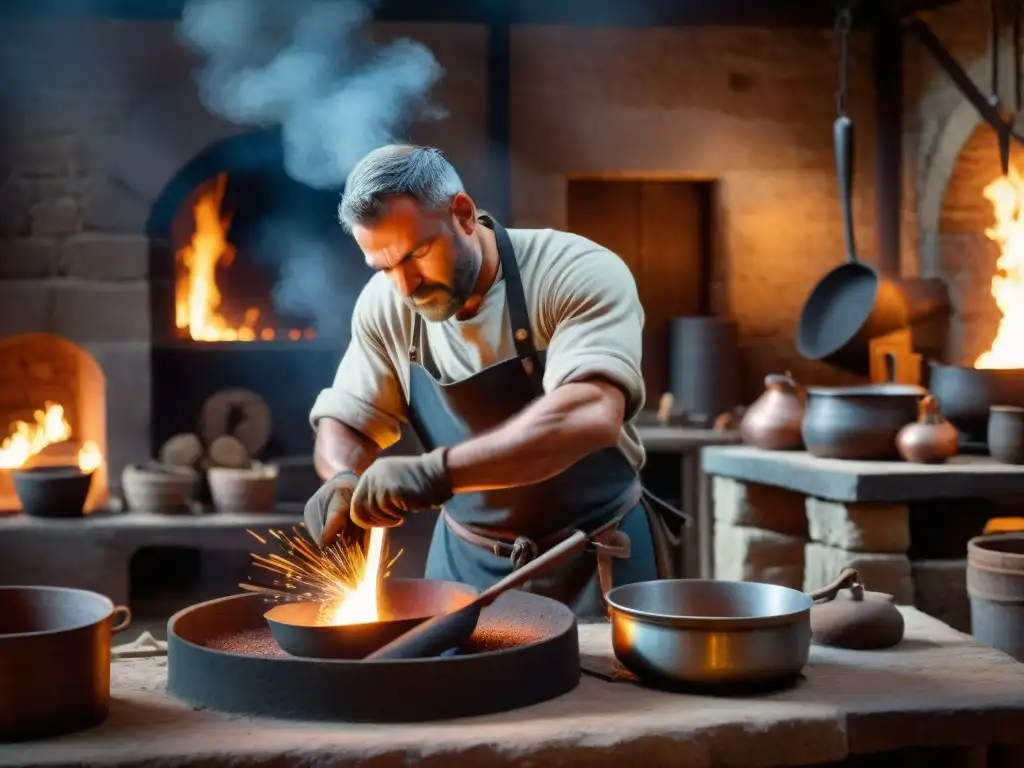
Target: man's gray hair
<point>422,173</point>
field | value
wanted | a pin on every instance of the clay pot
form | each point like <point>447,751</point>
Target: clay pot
<point>243,490</point>
<point>1006,434</point>
<point>858,423</point>
<point>158,487</point>
<point>929,440</point>
<point>773,422</point>
<point>52,491</point>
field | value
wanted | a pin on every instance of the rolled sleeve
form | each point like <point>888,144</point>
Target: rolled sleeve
<point>597,326</point>
<point>366,394</point>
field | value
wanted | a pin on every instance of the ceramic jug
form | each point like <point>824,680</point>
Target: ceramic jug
<point>772,423</point>
<point>929,440</point>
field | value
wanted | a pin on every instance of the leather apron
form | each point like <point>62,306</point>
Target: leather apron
<point>481,537</point>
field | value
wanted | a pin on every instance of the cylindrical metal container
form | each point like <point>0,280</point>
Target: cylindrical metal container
<point>54,660</point>
<point>704,365</point>
<point>995,585</point>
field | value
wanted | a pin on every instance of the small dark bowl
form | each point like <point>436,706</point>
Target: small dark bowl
<point>52,491</point>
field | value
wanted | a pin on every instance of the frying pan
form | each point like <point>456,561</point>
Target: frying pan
<point>404,603</point>
<point>853,303</point>
<point>434,637</point>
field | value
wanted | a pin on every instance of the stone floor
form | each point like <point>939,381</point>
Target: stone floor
<point>939,690</point>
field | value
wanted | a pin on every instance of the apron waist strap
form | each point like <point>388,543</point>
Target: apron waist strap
<point>605,540</point>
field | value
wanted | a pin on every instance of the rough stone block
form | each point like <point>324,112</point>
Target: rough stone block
<point>759,506</point>
<point>859,527</point>
<point>881,572</point>
<point>27,258</point>
<point>27,306</point>
<point>940,590</point>
<point>95,256</point>
<point>56,218</point>
<point>102,311</point>
<point>754,554</point>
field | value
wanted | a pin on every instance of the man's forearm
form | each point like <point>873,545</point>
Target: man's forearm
<point>544,440</point>
<point>339,447</point>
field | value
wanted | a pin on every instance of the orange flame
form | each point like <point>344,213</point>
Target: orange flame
<point>49,427</point>
<point>359,604</point>
<point>1007,197</point>
<point>197,296</point>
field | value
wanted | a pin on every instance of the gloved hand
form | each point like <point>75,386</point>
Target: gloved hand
<point>397,485</point>
<point>327,511</point>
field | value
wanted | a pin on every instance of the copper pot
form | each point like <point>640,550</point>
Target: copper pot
<point>773,422</point>
<point>929,440</point>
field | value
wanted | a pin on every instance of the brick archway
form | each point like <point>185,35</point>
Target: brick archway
<point>937,158</point>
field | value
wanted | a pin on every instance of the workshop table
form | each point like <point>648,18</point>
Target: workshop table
<point>939,689</point>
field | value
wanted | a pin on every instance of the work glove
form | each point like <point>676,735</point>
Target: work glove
<point>394,486</point>
<point>326,513</point>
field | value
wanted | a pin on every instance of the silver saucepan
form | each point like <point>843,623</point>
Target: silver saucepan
<point>718,634</point>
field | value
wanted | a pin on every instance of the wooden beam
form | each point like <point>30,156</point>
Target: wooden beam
<point>499,150</point>
<point>615,13</point>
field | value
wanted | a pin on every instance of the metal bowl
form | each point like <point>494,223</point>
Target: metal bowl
<point>702,632</point>
<point>404,603</point>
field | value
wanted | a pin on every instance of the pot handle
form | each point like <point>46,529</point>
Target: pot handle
<point>125,621</point>
<point>848,579</point>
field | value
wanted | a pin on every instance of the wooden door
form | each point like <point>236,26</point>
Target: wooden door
<point>659,229</point>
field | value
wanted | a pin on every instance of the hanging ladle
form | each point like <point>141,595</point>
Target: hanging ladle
<point>450,630</point>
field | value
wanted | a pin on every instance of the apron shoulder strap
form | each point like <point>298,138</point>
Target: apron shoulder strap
<point>518,311</point>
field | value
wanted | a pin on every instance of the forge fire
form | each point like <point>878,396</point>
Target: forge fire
<point>200,305</point>
<point>1006,194</point>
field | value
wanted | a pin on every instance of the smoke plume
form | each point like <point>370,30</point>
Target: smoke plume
<point>311,69</point>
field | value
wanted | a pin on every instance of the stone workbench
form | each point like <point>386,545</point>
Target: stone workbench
<point>789,518</point>
<point>94,552</point>
<point>939,689</point>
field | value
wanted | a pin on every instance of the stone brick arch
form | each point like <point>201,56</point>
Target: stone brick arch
<point>938,157</point>
<point>161,138</point>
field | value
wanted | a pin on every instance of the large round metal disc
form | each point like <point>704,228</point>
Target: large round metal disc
<point>221,656</point>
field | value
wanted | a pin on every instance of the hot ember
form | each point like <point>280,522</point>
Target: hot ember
<point>48,427</point>
<point>1007,197</point>
<point>197,305</point>
<point>344,578</point>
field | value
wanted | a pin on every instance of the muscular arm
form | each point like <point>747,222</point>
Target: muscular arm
<point>548,437</point>
<point>339,447</point>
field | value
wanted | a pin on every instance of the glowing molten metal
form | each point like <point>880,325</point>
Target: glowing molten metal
<point>49,427</point>
<point>1007,197</point>
<point>359,604</point>
<point>197,296</point>
<point>343,578</point>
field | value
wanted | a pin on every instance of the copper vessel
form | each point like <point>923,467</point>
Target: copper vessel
<point>773,422</point>
<point>929,440</point>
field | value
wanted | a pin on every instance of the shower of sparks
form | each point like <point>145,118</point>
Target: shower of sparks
<point>302,570</point>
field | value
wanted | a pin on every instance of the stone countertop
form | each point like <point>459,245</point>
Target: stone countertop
<point>285,515</point>
<point>938,688</point>
<point>962,477</point>
<point>659,439</point>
